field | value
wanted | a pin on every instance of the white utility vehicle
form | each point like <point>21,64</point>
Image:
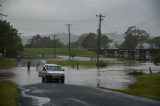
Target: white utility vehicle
<point>52,72</point>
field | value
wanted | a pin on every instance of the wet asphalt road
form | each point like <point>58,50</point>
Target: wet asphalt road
<point>50,94</point>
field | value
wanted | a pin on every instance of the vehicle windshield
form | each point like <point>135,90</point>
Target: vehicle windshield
<point>53,68</point>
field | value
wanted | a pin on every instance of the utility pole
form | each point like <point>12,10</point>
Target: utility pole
<point>68,25</point>
<point>54,46</point>
<point>99,35</point>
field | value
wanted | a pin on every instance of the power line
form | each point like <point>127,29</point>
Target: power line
<point>122,7</point>
<point>50,20</point>
<point>137,24</point>
<point>118,7</point>
<point>68,25</point>
<point>148,20</point>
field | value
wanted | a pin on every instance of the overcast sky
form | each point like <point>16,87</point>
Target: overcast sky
<point>32,17</point>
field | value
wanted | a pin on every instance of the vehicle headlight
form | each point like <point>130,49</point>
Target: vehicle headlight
<point>49,74</point>
<point>56,74</point>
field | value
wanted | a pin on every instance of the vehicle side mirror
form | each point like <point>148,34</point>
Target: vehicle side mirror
<point>44,69</point>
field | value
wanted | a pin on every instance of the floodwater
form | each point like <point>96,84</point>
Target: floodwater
<point>61,57</point>
<point>41,100</point>
<point>113,76</point>
<point>105,77</point>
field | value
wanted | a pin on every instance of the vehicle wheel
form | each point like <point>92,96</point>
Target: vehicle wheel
<point>58,81</point>
<point>43,80</point>
<point>62,80</point>
<point>47,80</point>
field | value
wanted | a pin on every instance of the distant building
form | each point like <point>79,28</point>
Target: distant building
<point>111,46</point>
<point>146,46</point>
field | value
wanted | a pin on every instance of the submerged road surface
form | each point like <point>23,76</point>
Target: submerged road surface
<point>50,94</point>
<point>35,93</point>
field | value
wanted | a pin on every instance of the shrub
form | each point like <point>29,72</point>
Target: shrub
<point>136,72</point>
<point>101,64</point>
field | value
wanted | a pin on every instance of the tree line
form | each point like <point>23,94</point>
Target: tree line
<point>10,41</point>
<point>134,36</point>
<point>87,41</point>
<point>38,41</point>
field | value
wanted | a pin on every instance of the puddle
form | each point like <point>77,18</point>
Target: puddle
<point>40,101</point>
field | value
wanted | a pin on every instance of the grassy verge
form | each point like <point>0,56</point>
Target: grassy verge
<point>146,85</point>
<point>6,74</point>
<point>7,63</point>
<point>48,52</point>
<point>8,93</point>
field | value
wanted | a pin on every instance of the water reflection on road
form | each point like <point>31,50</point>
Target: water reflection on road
<point>116,79</point>
<point>113,76</point>
<point>25,77</point>
<point>84,76</point>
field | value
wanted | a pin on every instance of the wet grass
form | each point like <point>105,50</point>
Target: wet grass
<point>6,74</point>
<point>135,72</point>
<point>7,63</point>
<point>8,93</point>
<point>48,52</point>
<point>146,85</point>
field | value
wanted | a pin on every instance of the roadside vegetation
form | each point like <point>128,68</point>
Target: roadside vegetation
<point>10,41</point>
<point>8,93</point>
<point>7,63</point>
<point>147,85</point>
<point>136,72</point>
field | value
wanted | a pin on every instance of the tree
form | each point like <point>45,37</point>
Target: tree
<point>90,40</point>
<point>11,42</point>
<point>155,41</point>
<point>133,36</point>
<point>43,42</point>
<point>104,40</point>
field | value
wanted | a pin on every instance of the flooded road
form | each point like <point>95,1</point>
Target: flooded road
<point>113,76</point>
<point>85,77</point>
<point>62,58</point>
<point>24,77</point>
<point>85,80</point>
<point>99,78</point>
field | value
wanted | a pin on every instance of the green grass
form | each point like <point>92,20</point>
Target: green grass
<point>8,94</point>
<point>7,63</point>
<point>59,51</point>
<point>146,85</point>
<point>6,74</point>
